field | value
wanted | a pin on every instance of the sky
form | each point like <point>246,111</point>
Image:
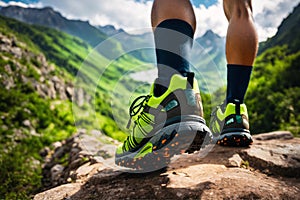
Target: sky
<point>131,15</point>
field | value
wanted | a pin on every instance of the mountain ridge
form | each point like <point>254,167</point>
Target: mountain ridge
<point>49,17</point>
<point>283,36</point>
<point>94,35</point>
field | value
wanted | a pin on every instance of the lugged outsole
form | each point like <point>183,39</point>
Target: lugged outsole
<point>166,145</point>
<point>235,139</point>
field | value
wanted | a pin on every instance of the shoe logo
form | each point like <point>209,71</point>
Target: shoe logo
<point>239,119</point>
<point>230,121</point>
<point>171,105</point>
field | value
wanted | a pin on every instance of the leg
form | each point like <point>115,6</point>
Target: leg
<point>241,40</point>
<point>231,119</point>
<point>174,25</point>
<point>172,9</point>
<point>171,116</point>
<point>241,47</point>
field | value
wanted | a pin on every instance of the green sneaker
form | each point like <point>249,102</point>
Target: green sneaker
<point>231,123</point>
<point>164,126</point>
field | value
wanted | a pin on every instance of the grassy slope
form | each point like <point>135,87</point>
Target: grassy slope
<point>274,93</point>
<point>20,176</point>
<point>19,144</point>
<point>68,53</point>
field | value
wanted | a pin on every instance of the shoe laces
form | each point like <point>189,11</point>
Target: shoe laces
<point>137,105</point>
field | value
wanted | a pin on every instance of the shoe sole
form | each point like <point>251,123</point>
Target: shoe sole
<point>235,139</point>
<point>172,140</point>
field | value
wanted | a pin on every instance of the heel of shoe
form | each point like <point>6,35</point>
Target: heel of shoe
<point>237,138</point>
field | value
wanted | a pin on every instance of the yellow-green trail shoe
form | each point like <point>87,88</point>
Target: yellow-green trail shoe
<point>164,126</point>
<point>231,124</point>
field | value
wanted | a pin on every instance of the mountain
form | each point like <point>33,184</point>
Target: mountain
<point>110,30</point>
<point>210,40</point>
<point>140,46</point>
<point>123,42</point>
<point>113,47</point>
<point>208,57</point>
<point>287,33</point>
<point>214,46</point>
<point>50,18</point>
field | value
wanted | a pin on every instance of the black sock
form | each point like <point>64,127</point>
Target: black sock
<point>173,41</point>
<point>238,77</point>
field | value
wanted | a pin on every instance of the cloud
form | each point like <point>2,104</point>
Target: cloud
<point>126,14</point>
<point>135,14</point>
<point>14,3</point>
<point>211,17</point>
<point>268,15</point>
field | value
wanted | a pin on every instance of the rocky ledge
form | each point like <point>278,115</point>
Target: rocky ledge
<point>269,169</point>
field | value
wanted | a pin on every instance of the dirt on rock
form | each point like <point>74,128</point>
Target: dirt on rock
<point>269,169</point>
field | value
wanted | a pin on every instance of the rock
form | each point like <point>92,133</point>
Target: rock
<point>283,135</point>
<point>44,152</point>
<point>60,192</point>
<point>281,158</point>
<point>79,96</point>
<point>76,163</point>
<point>17,52</point>
<point>59,152</point>
<point>55,79</point>
<point>69,92</point>
<point>235,161</point>
<point>74,152</point>
<point>62,92</point>
<point>96,133</point>
<point>42,79</point>
<point>5,41</point>
<point>50,90</point>
<point>27,123</point>
<point>84,170</point>
<point>57,145</point>
<point>56,172</point>
<point>8,69</point>
<point>88,169</point>
<point>47,85</point>
<point>8,82</point>
<point>272,164</point>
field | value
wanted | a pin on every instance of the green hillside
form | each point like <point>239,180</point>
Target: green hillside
<point>274,94</point>
<point>35,62</point>
<point>273,97</point>
<point>48,17</point>
<point>28,121</point>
